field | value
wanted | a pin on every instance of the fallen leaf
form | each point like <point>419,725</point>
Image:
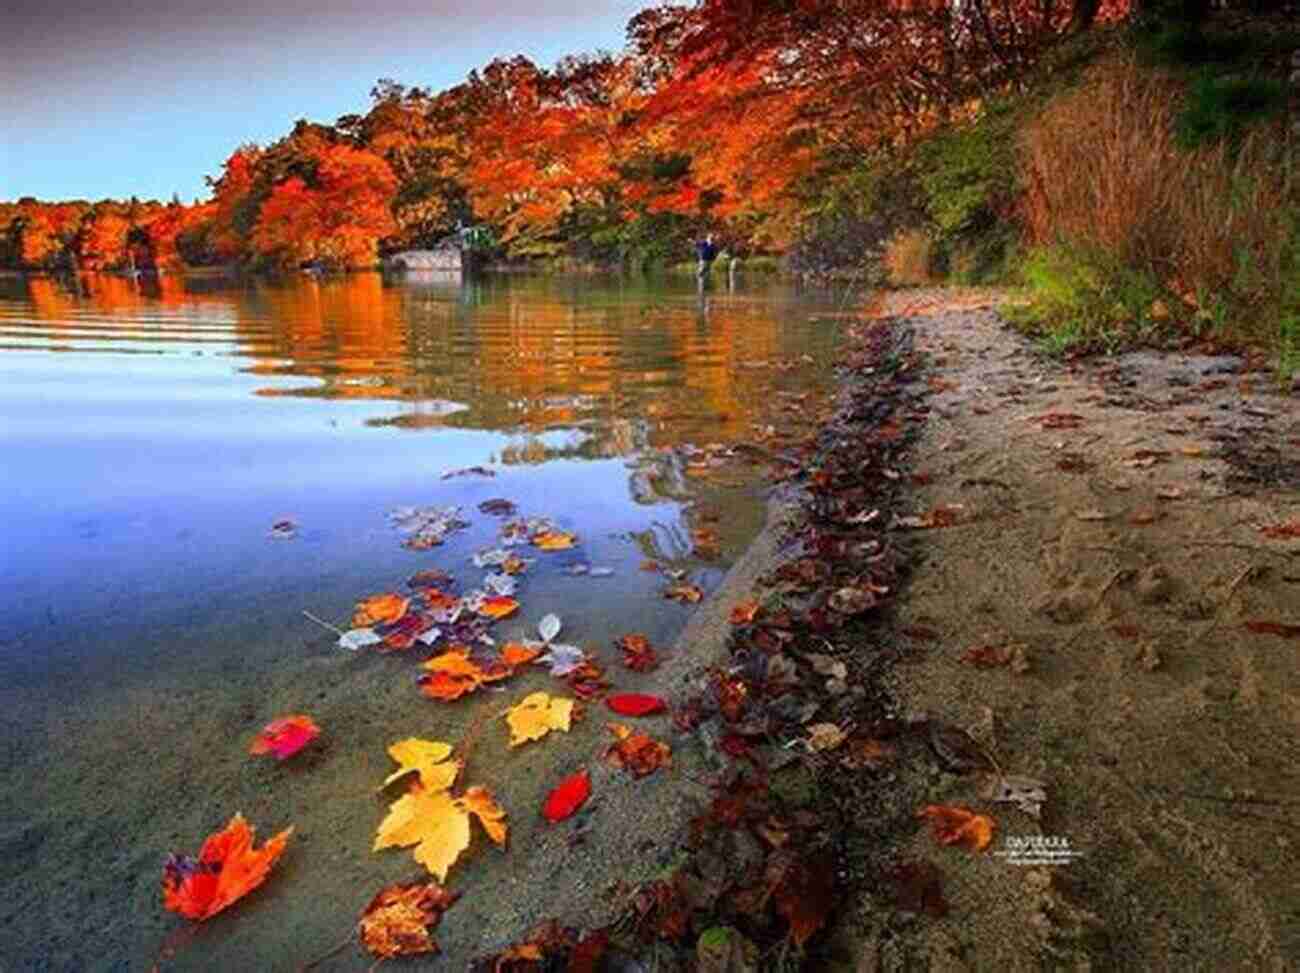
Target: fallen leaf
<point>285,736</point>
<point>1027,793</point>
<point>1059,420</point>
<point>851,601</point>
<point>429,578</point>
<point>1091,514</point>
<point>587,680</point>
<point>637,753</point>
<point>1170,493</point>
<point>497,507</point>
<point>1278,531</point>
<point>549,627</point>
<point>537,715</point>
<point>685,593</point>
<point>469,471</point>
<point>384,608</point>
<point>563,660</point>
<point>498,606</point>
<point>952,825</point>
<point>1192,452</point>
<point>516,654</point>
<point>803,892</point>
<point>283,530</point>
<point>226,870</point>
<point>825,665</point>
<point>399,920</point>
<point>825,736</point>
<point>638,655</point>
<point>871,754</point>
<point>986,656</point>
<point>554,540</point>
<point>358,638</point>
<point>402,634</point>
<point>438,825</point>
<point>918,888</point>
<point>635,704</point>
<point>1280,629</point>
<point>744,612</point>
<point>453,674</point>
<point>428,758</point>
<point>947,515</point>
<point>569,795</point>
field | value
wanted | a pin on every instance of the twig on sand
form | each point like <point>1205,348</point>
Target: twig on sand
<point>324,624</point>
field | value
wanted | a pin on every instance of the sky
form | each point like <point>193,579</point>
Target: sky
<point>113,98</point>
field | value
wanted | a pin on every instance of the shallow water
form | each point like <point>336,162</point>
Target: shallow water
<point>151,433</point>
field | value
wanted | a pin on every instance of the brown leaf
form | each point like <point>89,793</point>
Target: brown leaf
<point>638,654</point>
<point>918,887</point>
<point>1280,629</point>
<point>399,920</point>
<point>637,753</point>
<point>1278,531</point>
<point>804,892</point>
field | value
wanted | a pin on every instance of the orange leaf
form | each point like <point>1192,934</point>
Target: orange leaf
<point>958,825</point>
<point>554,540</point>
<point>285,737</point>
<point>638,654</point>
<point>400,918</point>
<point>517,654</point>
<point>498,606</point>
<point>637,753</point>
<point>1278,531</point>
<point>454,674</point>
<point>226,870</point>
<point>744,612</point>
<point>379,609</point>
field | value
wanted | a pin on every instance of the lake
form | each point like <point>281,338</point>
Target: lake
<point>151,620</point>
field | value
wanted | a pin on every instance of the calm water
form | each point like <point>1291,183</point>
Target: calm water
<point>151,433</point>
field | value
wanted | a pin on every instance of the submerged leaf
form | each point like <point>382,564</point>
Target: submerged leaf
<point>438,825</point>
<point>285,737</point>
<point>428,758</point>
<point>400,919</point>
<point>227,869</point>
<point>563,659</point>
<point>536,716</point>
<point>569,795</point>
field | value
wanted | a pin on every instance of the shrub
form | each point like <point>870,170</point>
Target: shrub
<point>1210,224</point>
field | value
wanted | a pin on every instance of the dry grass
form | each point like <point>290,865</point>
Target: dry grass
<point>908,258</point>
<point>1103,173</point>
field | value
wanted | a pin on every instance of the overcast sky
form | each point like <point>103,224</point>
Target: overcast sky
<point>146,97</point>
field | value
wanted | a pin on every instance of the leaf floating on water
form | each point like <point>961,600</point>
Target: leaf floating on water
<point>536,716</point>
<point>549,627</point>
<point>430,578</point>
<point>563,660</point>
<point>497,507</point>
<point>500,584</point>
<point>428,758</point>
<point>601,572</point>
<point>687,594</point>
<point>635,704</point>
<point>358,638</point>
<point>454,674</point>
<point>952,825</point>
<point>285,737</point>
<point>554,540</point>
<point>400,919</point>
<point>637,753</point>
<point>226,870</point>
<point>567,797</point>
<point>516,654</point>
<point>498,606</point>
<point>380,609</point>
<point>491,557</point>
<point>283,530</point>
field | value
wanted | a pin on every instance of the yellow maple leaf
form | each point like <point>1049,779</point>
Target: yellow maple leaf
<point>438,825</point>
<point>537,716</point>
<point>426,757</point>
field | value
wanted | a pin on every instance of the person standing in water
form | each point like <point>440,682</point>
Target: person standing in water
<point>706,251</point>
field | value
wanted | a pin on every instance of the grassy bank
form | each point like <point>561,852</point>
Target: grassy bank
<point>1142,189</point>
